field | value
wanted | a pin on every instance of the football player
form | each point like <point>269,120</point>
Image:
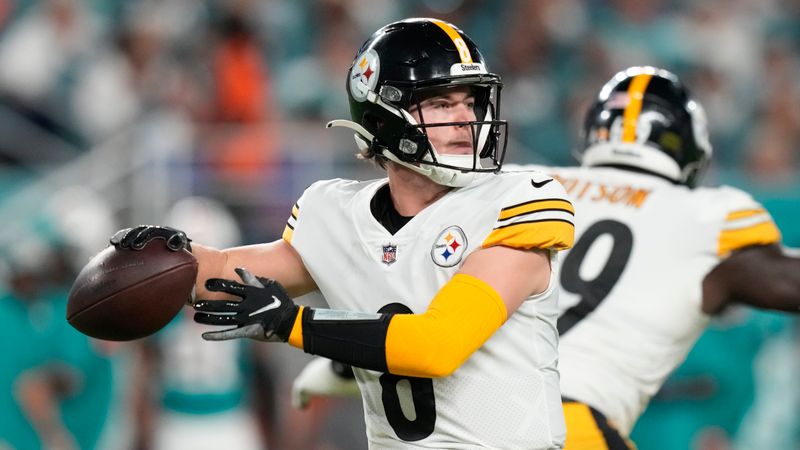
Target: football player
<point>440,275</point>
<point>654,256</point>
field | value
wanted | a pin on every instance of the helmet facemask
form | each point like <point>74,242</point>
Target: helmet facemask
<point>415,150</point>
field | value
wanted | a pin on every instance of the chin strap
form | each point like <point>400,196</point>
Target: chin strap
<point>440,175</point>
<point>633,154</point>
<point>364,139</point>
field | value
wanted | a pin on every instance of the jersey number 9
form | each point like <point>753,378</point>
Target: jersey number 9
<point>593,292</point>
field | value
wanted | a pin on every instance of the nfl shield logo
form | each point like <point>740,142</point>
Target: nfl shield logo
<point>389,254</point>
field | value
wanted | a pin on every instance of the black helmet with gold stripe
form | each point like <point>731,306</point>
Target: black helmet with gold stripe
<point>393,71</point>
<point>644,118</point>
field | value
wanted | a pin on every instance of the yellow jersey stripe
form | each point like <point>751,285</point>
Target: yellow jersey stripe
<point>631,115</point>
<point>741,214</point>
<point>295,211</point>
<point>582,430</point>
<point>288,232</point>
<point>557,234</point>
<point>458,41</point>
<point>536,205</point>
<point>761,234</point>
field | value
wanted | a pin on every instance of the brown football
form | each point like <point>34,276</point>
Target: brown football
<point>122,295</point>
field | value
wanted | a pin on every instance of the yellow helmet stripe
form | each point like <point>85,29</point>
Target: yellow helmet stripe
<point>635,96</point>
<point>458,41</point>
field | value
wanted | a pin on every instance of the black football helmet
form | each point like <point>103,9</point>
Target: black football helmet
<point>645,118</point>
<point>394,70</point>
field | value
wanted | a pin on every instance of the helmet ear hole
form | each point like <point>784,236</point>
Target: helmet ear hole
<point>370,121</point>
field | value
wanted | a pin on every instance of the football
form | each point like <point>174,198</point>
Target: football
<point>123,294</point>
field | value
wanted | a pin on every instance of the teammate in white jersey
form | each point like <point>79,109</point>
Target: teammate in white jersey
<point>440,275</point>
<point>654,257</point>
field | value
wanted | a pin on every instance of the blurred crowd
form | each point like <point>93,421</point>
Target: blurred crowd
<point>116,112</point>
<point>242,82</point>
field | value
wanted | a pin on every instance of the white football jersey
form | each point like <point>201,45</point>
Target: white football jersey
<point>506,394</point>
<point>631,285</point>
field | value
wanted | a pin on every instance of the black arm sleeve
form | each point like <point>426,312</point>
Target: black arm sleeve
<point>359,342</point>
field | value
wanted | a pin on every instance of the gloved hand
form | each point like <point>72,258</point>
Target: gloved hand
<point>137,237</point>
<point>321,376</point>
<point>265,311</point>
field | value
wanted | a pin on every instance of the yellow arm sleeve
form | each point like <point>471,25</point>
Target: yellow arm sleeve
<point>462,316</point>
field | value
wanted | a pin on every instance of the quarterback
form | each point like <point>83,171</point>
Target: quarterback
<point>440,276</point>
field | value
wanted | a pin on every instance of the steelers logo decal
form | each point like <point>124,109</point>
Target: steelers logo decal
<point>449,248</point>
<point>364,75</point>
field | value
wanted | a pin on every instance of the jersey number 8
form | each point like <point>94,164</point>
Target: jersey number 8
<point>422,404</point>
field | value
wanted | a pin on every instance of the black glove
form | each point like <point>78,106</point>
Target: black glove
<point>265,312</point>
<point>137,237</point>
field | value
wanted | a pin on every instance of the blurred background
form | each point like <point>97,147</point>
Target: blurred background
<point>211,114</point>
